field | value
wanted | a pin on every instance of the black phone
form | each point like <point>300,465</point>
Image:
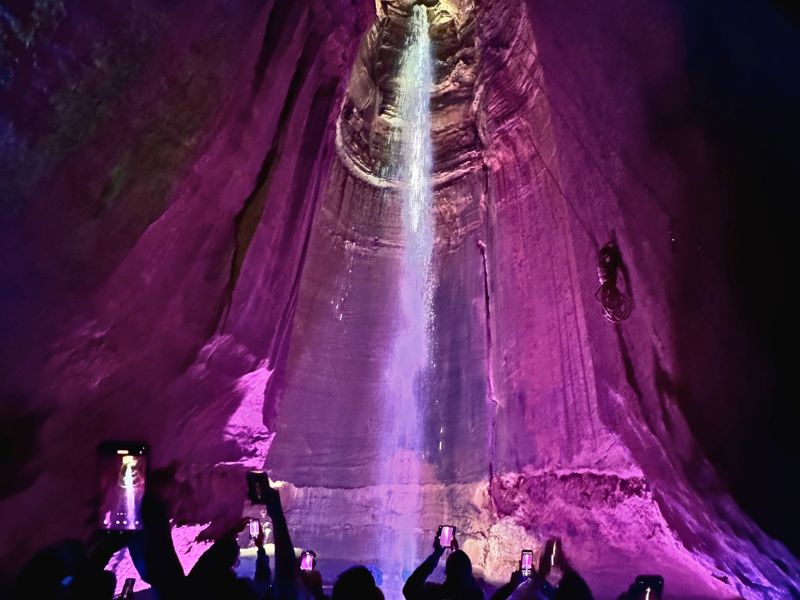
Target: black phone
<point>257,486</point>
<point>649,587</point>
<point>127,589</point>
<point>526,563</point>
<point>122,474</point>
<point>308,560</point>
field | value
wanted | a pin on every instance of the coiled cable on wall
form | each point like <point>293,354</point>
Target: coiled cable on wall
<point>616,304</point>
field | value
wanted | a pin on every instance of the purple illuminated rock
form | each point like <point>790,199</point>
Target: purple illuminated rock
<point>199,251</point>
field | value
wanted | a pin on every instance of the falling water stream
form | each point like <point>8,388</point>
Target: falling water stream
<point>130,490</point>
<point>402,458</point>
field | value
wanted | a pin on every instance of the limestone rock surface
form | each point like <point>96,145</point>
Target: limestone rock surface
<point>200,249</point>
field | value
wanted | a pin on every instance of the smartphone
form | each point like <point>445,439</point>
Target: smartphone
<point>649,587</point>
<point>127,589</point>
<point>257,486</point>
<point>447,533</point>
<point>122,481</point>
<point>255,527</point>
<point>526,563</point>
<point>308,560</point>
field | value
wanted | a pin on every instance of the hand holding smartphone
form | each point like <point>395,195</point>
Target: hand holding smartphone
<point>526,563</point>
<point>259,532</point>
<point>446,536</point>
<point>122,474</point>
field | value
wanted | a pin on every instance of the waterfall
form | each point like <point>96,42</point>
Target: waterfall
<point>402,458</point>
<point>411,351</point>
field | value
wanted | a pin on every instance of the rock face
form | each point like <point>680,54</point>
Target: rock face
<point>148,148</point>
<point>201,250</point>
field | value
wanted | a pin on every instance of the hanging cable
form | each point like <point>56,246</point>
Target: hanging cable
<point>616,305</point>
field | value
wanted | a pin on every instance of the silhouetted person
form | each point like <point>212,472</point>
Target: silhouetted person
<point>92,581</point>
<point>311,585</point>
<point>536,587</point>
<point>571,586</point>
<point>356,583</point>
<point>214,575</point>
<point>263,576</point>
<point>49,571</point>
<point>153,552</point>
<point>69,569</point>
<point>506,590</point>
<point>284,586</point>
<point>93,585</point>
<point>459,583</point>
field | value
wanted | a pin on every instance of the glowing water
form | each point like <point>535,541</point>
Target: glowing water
<point>403,447</point>
<point>130,492</point>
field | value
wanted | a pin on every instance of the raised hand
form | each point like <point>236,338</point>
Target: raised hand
<point>272,500</point>
<point>260,538</point>
<point>437,545</point>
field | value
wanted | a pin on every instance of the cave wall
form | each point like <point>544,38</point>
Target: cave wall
<point>188,259</point>
<point>145,150</point>
<point>613,152</point>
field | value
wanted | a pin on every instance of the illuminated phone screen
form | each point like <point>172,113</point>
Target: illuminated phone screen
<point>447,535</point>
<point>307,561</point>
<point>254,529</point>
<point>122,486</point>
<point>526,562</point>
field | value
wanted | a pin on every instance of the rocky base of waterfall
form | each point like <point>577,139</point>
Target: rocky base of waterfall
<point>611,527</point>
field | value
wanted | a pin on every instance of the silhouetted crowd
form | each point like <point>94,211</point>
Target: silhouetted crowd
<point>73,570</point>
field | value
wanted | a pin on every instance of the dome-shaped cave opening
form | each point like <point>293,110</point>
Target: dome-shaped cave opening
<point>369,118</point>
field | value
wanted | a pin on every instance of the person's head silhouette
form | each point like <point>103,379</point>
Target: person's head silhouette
<point>356,583</point>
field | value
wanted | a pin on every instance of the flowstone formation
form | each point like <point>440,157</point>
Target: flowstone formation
<point>208,241</point>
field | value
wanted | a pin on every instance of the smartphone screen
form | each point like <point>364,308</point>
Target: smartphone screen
<point>254,528</point>
<point>308,560</point>
<point>526,563</point>
<point>447,534</point>
<point>122,475</point>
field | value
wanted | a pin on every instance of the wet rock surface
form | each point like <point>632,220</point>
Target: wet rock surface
<point>200,250</point>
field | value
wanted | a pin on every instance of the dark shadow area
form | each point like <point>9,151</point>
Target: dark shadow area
<point>742,60</point>
<point>19,444</point>
<point>249,217</point>
<point>790,8</point>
